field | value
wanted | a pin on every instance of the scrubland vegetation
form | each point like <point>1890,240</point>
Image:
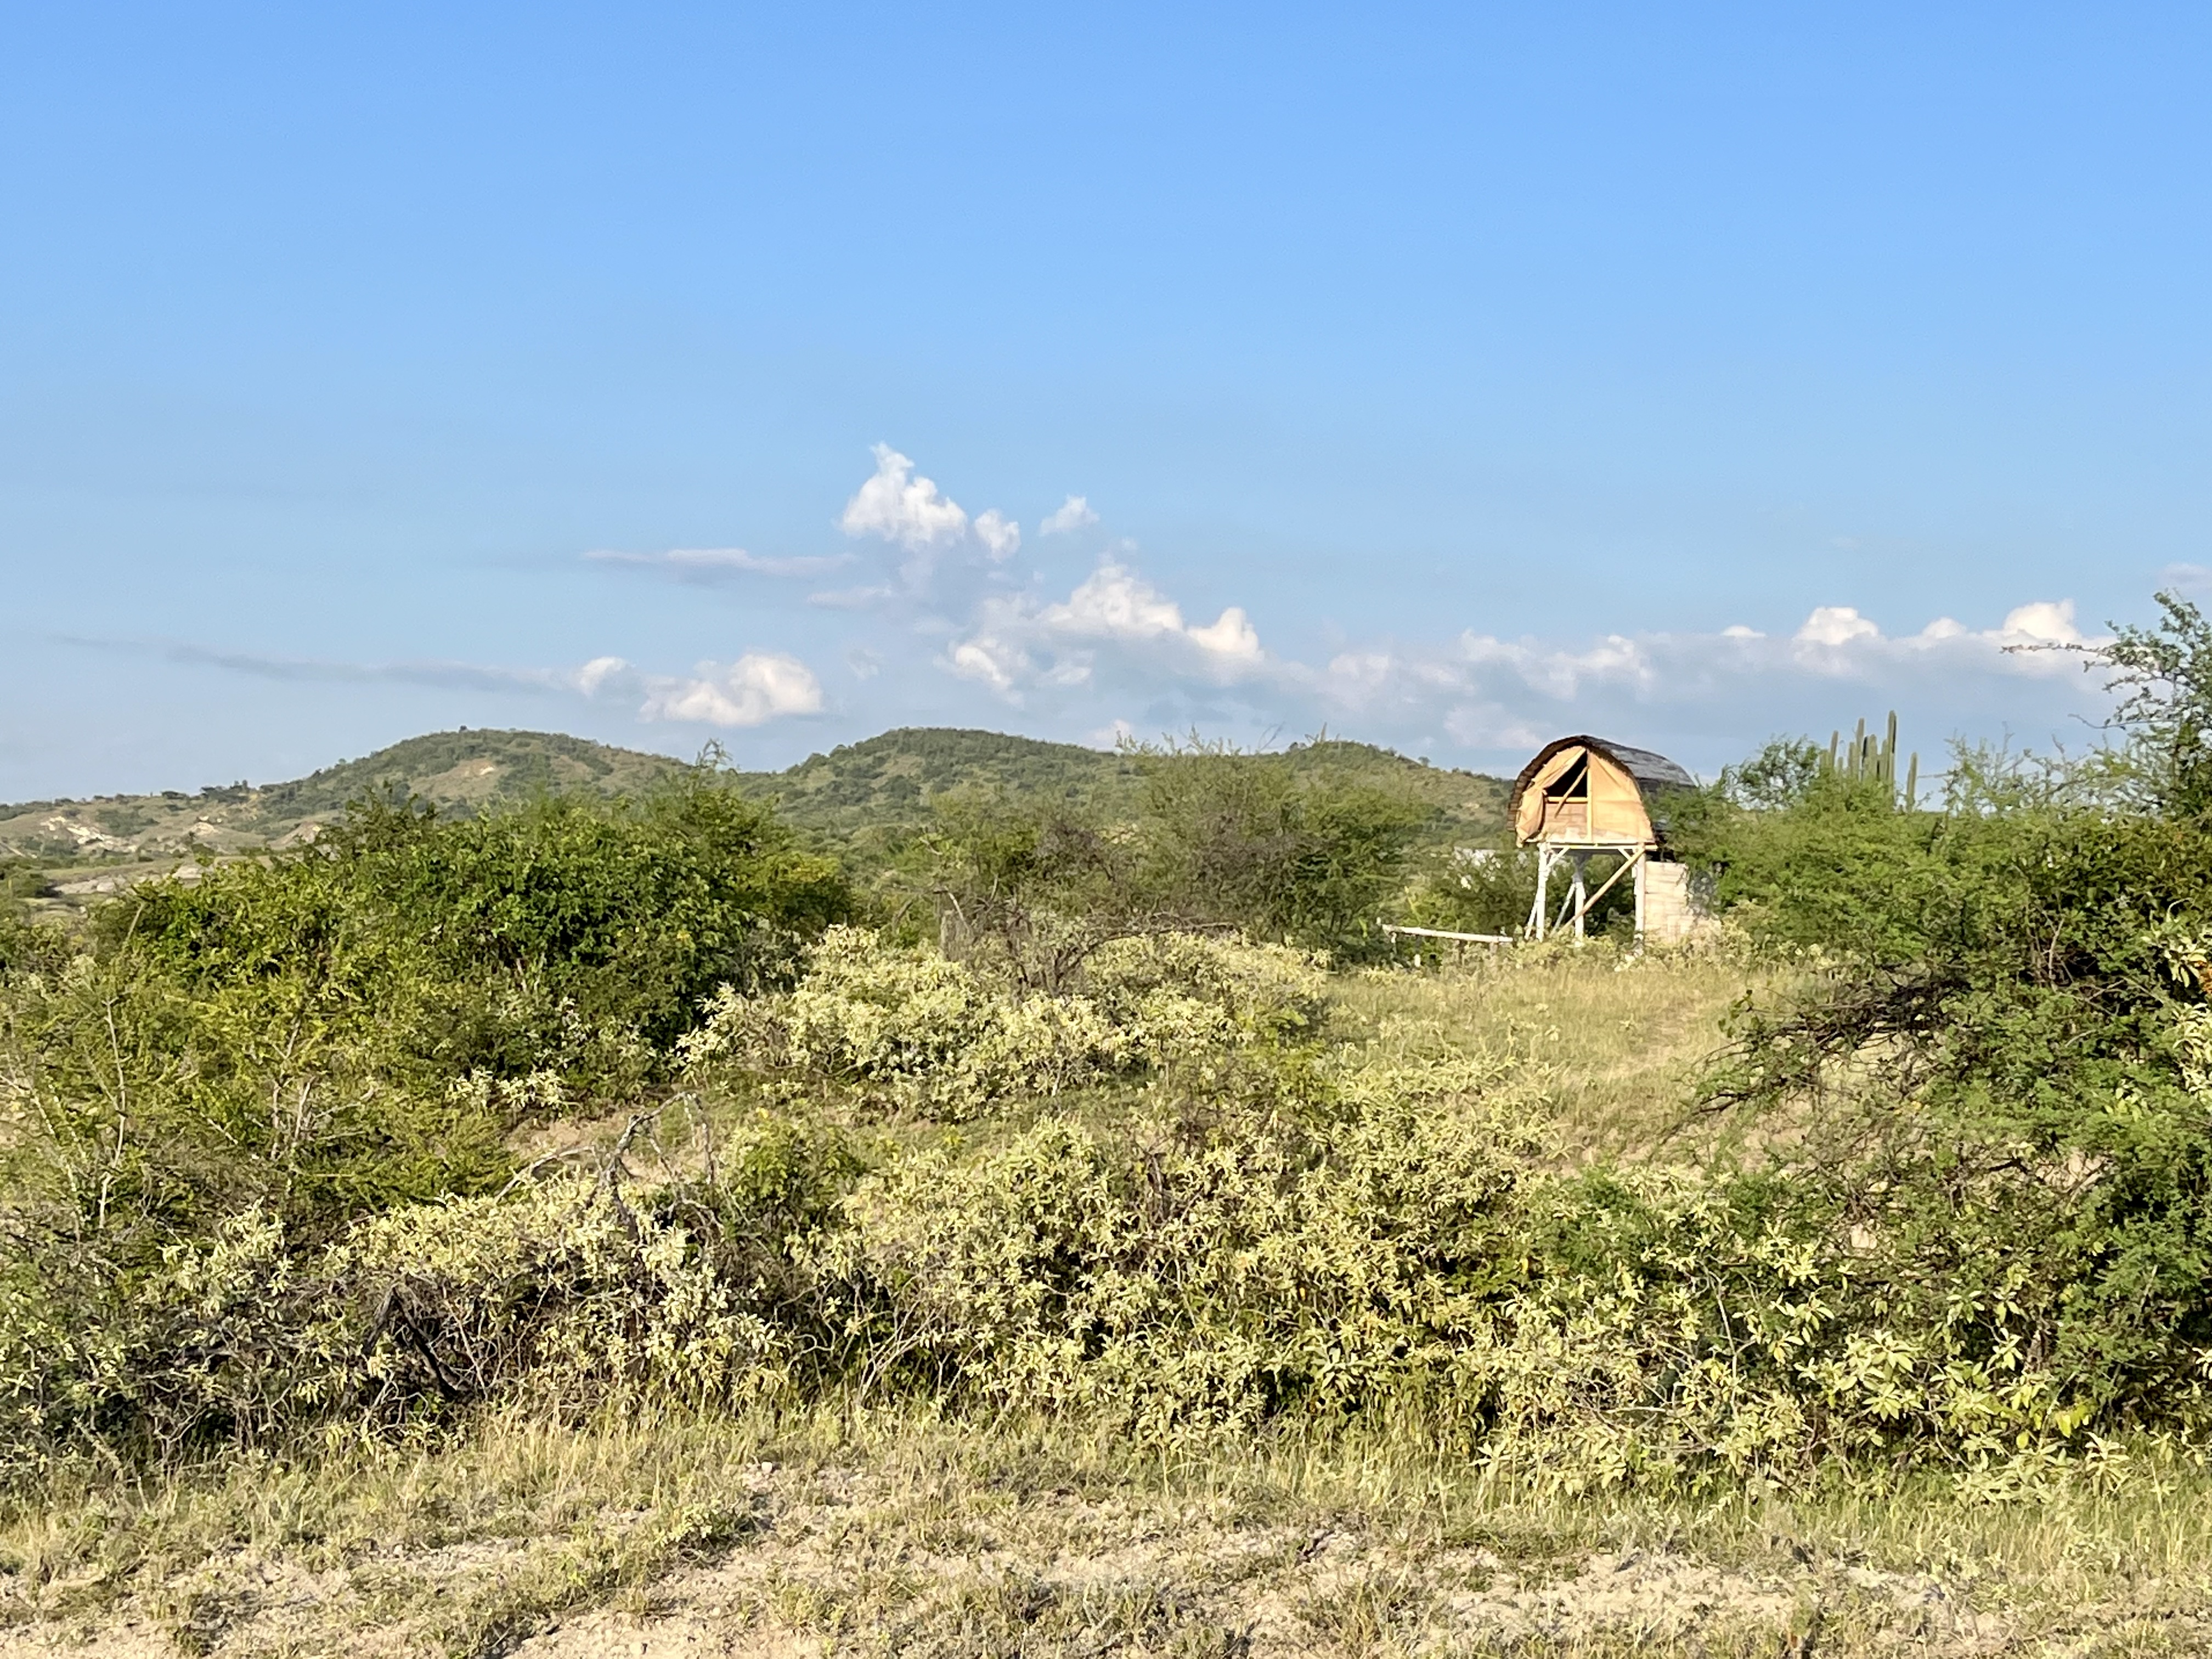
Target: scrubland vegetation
<point>1074,1231</point>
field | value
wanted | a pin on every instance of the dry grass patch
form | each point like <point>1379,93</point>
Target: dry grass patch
<point>896,1534</point>
<point>1608,1044</point>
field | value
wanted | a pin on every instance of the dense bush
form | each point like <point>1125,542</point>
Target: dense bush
<point>1276,846</point>
<point>565,937</point>
<point>1296,1234</point>
<point>557,1293</point>
<point>904,1028</point>
<point>358,1023</point>
<point>291,1044</point>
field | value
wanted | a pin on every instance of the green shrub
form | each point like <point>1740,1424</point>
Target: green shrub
<point>562,1294</point>
<point>903,1028</point>
<point>1170,1279</point>
<point>572,936</point>
<point>1284,846</point>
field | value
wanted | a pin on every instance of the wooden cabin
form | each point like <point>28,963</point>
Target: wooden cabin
<point>1584,796</point>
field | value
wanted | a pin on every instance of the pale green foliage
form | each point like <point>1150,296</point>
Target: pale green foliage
<point>221,1340</point>
<point>1267,1230</point>
<point>561,1293</point>
<point>1175,993</point>
<point>904,1028</point>
<point>1174,1281</point>
<point>907,1029</point>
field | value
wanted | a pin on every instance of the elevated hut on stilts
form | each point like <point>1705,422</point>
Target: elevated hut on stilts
<point>1585,797</point>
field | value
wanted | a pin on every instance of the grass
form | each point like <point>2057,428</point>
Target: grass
<point>1608,1043</point>
<point>897,1532</point>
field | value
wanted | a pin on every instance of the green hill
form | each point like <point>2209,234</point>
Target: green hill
<point>466,770</point>
<point>886,782</point>
<point>121,837</point>
<point>882,786</point>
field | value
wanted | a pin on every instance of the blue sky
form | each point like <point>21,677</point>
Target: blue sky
<point>1451,376</point>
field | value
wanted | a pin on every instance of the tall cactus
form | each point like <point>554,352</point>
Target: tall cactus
<point>1873,760</point>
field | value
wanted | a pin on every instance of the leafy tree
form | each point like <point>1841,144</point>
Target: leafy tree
<point>1998,1065</point>
<point>1301,855</point>
<point>359,1023</point>
<point>1275,848</point>
<point>2164,676</point>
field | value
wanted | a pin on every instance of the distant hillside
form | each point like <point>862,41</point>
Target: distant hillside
<point>881,786</point>
<point>460,771</point>
<point>887,781</point>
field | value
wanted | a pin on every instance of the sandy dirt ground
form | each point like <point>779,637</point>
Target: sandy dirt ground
<point>831,1565</point>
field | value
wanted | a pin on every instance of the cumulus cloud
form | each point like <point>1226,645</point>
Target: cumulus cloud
<point>1490,693</point>
<point>1113,618</point>
<point>900,507</point>
<point>999,664</point>
<point>1229,638</point>
<point>758,688</point>
<point>2046,621</point>
<point>1114,603</point>
<point>1000,536</point>
<point>600,673</point>
<point>1073,514</point>
<point>708,563</point>
<point>1838,640</point>
<point>1837,624</point>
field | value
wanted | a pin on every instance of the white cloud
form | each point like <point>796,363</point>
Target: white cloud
<point>999,664</point>
<point>1117,638</point>
<point>599,673</point>
<point>1734,685</point>
<point>1113,617</point>
<point>1837,624</point>
<point>1111,736</point>
<point>2044,622</point>
<point>759,687</point>
<point>1000,536</point>
<point>900,507</point>
<point>1228,638</point>
<point>709,562</point>
<point>1114,603</point>
<point>1073,514</point>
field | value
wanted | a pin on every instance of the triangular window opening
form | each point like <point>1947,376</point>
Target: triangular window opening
<point>1574,782</point>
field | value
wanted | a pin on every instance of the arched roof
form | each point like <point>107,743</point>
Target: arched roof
<point>1653,773</point>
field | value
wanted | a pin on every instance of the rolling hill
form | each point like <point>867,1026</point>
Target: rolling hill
<point>883,785</point>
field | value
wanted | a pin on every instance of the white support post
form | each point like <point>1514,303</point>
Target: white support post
<point>1543,884</point>
<point>1581,892</point>
<point>1640,899</point>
